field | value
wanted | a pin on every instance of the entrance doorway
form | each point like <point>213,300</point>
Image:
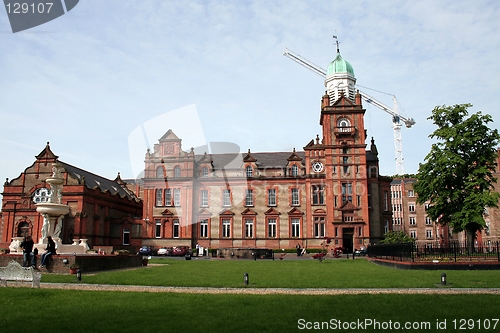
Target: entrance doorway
<point>347,239</point>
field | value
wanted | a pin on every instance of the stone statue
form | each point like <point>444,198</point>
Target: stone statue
<point>45,227</point>
<point>56,171</point>
<point>58,227</point>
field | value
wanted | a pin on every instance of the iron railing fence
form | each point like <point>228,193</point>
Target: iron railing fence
<point>453,251</point>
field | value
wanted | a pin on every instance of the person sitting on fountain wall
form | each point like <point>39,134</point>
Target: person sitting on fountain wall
<point>49,251</point>
<point>27,245</point>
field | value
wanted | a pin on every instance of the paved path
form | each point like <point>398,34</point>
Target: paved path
<point>263,291</point>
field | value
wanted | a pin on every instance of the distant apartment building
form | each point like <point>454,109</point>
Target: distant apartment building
<point>412,218</point>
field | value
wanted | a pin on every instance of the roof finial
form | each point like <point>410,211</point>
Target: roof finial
<point>336,42</point>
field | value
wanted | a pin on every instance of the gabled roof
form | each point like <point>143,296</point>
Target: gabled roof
<point>169,136</point>
<point>248,157</point>
<point>294,156</point>
<point>93,181</point>
<point>206,158</point>
<point>46,154</point>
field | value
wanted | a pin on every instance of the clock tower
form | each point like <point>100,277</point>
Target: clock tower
<point>342,179</point>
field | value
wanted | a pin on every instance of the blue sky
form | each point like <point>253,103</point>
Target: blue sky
<point>92,79</point>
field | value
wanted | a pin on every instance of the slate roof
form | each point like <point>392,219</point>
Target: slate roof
<point>93,181</point>
<point>264,160</point>
<point>405,180</point>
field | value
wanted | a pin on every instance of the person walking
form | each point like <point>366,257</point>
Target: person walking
<point>28,255</point>
<point>49,251</point>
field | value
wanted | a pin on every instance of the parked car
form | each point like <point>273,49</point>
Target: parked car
<point>165,251</point>
<point>181,250</point>
<point>361,252</point>
<point>147,251</point>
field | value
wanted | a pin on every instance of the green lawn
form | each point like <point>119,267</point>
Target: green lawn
<point>49,310</point>
<point>358,273</point>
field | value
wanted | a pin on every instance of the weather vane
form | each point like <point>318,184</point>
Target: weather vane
<point>336,42</point>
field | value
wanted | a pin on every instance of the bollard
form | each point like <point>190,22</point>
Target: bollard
<point>245,278</point>
<point>443,279</point>
<point>79,274</point>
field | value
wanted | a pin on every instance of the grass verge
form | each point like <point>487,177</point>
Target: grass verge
<point>49,310</point>
<point>358,273</point>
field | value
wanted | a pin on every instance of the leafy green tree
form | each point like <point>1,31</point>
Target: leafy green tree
<point>393,237</point>
<point>457,175</point>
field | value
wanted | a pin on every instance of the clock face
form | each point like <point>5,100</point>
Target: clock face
<point>317,166</point>
<point>41,195</point>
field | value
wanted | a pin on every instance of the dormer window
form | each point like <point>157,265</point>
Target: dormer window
<point>204,172</point>
<point>295,170</point>
<point>249,171</point>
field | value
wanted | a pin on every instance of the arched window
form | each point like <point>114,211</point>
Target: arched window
<point>295,170</point>
<point>249,171</point>
<point>159,172</point>
<point>41,195</point>
<point>343,122</point>
<point>204,172</point>
<point>177,171</point>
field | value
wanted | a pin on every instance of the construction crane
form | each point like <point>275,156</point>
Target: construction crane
<point>397,119</point>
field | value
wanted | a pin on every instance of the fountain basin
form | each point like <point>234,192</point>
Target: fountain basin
<point>55,181</point>
<point>52,209</point>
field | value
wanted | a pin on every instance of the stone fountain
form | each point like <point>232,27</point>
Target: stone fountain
<point>53,212</point>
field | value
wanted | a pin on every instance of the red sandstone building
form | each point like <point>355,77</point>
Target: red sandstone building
<point>97,205</point>
<point>331,189</point>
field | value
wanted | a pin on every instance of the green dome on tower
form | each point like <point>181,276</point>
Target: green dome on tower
<point>339,65</point>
